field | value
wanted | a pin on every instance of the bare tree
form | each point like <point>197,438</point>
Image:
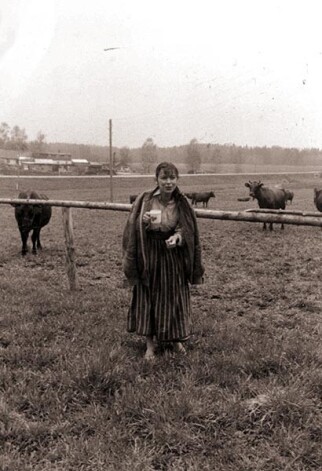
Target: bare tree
<point>125,156</point>
<point>38,144</point>
<point>18,139</point>
<point>4,134</point>
<point>149,155</point>
<point>193,157</point>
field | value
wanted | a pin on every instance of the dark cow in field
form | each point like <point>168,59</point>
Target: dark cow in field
<point>31,218</point>
<point>267,198</point>
<point>133,198</point>
<point>289,195</point>
<point>318,199</point>
<point>202,197</point>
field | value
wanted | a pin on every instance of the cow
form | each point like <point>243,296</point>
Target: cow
<point>318,199</point>
<point>289,196</point>
<point>202,197</point>
<point>31,218</point>
<point>133,198</point>
<point>267,198</point>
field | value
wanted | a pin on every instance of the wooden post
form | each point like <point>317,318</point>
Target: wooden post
<point>70,249</point>
<point>111,164</point>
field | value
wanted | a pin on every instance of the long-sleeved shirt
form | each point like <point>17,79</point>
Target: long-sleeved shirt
<point>169,212</point>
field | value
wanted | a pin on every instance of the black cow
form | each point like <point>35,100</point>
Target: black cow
<point>267,198</point>
<point>133,198</point>
<point>31,218</point>
<point>202,197</point>
<point>289,195</point>
<point>318,199</point>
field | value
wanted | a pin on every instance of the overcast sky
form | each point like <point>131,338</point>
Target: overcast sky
<point>247,72</point>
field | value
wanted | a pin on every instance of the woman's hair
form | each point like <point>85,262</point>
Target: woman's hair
<point>168,168</point>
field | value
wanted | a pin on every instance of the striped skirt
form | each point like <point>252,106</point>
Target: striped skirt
<point>162,308</point>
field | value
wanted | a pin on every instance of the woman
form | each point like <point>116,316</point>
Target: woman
<point>160,259</point>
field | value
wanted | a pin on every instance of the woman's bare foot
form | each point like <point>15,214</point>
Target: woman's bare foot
<point>179,348</point>
<point>149,355</point>
<point>150,349</point>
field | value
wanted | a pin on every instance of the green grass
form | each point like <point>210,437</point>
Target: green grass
<point>75,392</point>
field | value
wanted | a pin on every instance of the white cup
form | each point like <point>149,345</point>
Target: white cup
<point>155,215</point>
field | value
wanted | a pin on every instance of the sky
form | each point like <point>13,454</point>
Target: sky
<point>244,72</point>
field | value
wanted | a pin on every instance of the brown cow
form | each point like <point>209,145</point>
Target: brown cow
<point>201,197</point>
<point>267,198</point>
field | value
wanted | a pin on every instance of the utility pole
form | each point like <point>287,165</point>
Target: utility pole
<point>111,163</point>
<point>17,184</point>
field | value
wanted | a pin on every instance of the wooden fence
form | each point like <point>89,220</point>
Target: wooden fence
<point>250,215</point>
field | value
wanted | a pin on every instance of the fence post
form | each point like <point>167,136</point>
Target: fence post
<point>70,249</point>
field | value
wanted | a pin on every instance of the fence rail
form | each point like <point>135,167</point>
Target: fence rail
<point>250,215</point>
<point>300,218</point>
<point>69,204</point>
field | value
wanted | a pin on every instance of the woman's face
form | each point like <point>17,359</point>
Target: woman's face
<point>167,182</point>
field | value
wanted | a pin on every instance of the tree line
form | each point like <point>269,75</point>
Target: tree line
<point>192,155</point>
<point>15,138</point>
<point>195,154</point>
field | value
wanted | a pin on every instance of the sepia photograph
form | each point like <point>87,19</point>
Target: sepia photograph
<point>160,213</point>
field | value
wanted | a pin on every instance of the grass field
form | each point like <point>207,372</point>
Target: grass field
<point>76,393</point>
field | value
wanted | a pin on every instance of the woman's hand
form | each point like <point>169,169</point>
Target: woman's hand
<point>173,241</point>
<point>146,218</point>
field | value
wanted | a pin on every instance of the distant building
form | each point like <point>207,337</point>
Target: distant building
<point>28,163</point>
<point>8,156</point>
<point>80,165</point>
<point>82,162</point>
<point>52,155</point>
<point>97,168</point>
<point>54,162</point>
<point>42,161</point>
<point>16,160</point>
<point>94,168</point>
